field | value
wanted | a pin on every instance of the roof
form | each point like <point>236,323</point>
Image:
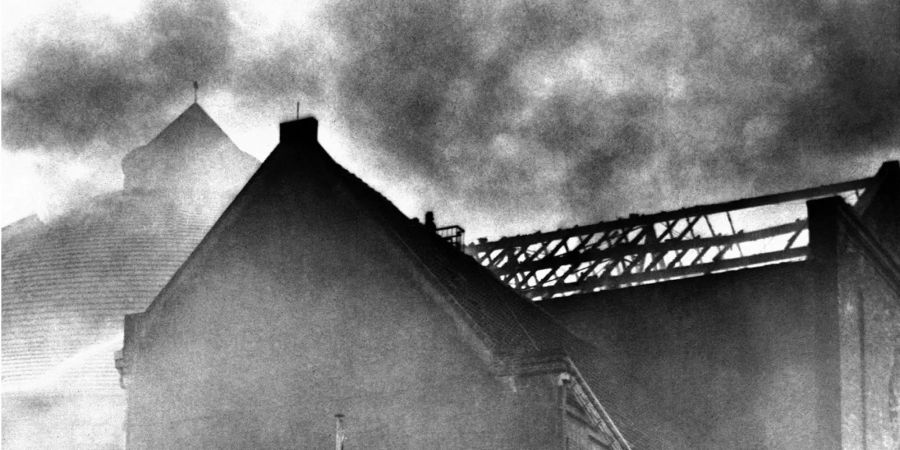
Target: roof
<point>191,153</point>
<point>29,224</point>
<point>642,249</point>
<point>67,283</point>
<point>506,323</point>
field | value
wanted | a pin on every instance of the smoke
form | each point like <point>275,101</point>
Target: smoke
<point>506,117</point>
<point>858,99</point>
<point>578,112</point>
<point>76,421</point>
<point>78,92</point>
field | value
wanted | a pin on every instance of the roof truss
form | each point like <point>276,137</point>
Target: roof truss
<point>651,248</point>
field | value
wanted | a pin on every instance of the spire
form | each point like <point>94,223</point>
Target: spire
<point>191,153</point>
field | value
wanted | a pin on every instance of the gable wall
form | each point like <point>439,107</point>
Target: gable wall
<point>297,309</point>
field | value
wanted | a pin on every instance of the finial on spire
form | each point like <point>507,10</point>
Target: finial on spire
<point>196,88</point>
<point>298,110</point>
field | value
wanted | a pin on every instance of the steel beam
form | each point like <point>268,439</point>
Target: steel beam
<point>680,272</point>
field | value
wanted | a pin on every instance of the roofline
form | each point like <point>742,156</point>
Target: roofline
<point>863,236</point>
<point>556,362</point>
<point>587,388</point>
<point>639,219</point>
<point>237,203</point>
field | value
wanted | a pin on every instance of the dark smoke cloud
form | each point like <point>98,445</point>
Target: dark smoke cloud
<point>678,105</point>
<point>515,115</point>
<point>73,94</point>
<point>764,91</point>
<point>858,98</point>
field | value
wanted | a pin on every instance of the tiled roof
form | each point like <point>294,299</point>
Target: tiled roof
<point>191,153</point>
<point>67,284</point>
<point>66,287</point>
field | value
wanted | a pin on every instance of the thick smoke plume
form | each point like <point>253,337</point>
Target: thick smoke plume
<point>505,117</point>
<point>73,93</point>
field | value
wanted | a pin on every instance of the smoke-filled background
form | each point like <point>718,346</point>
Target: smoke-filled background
<point>505,117</point>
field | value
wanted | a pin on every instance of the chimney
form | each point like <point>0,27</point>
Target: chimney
<point>298,131</point>
<point>429,221</point>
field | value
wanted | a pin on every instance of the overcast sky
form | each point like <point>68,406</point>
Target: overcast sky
<point>504,117</point>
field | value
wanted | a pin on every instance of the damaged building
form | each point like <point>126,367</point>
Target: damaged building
<point>314,296</point>
<point>315,314</point>
<point>768,322</point>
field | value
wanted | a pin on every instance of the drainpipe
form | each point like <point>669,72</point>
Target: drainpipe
<point>563,382</point>
<point>863,395</point>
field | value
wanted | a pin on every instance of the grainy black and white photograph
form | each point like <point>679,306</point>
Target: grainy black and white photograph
<point>450,224</point>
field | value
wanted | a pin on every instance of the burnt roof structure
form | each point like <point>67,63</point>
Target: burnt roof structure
<point>642,249</point>
<point>768,322</point>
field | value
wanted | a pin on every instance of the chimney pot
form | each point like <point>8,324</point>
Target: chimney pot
<point>300,130</point>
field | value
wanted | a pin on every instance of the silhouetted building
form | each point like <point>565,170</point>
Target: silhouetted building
<point>314,296</point>
<point>769,322</point>
<point>67,283</point>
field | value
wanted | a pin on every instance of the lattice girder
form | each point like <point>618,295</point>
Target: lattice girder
<point>642,249</point>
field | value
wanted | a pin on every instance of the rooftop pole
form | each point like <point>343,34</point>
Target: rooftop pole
<point>339,432</point>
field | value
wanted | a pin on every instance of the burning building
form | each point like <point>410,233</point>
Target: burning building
<point>68,282</point>
<point>768,322</point>
<point>701,328</point>
<point>313,296</point>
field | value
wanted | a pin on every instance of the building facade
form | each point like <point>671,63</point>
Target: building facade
<point>314,296</point>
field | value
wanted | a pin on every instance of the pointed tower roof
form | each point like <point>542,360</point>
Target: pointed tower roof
<point>68,281</point>
<point>192,153</point>
<point>301,196</point>
<point>192,120</point>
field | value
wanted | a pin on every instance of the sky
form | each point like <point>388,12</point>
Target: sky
<point>504,117</point>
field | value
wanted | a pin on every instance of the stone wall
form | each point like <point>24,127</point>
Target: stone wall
<point>870,343</point>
